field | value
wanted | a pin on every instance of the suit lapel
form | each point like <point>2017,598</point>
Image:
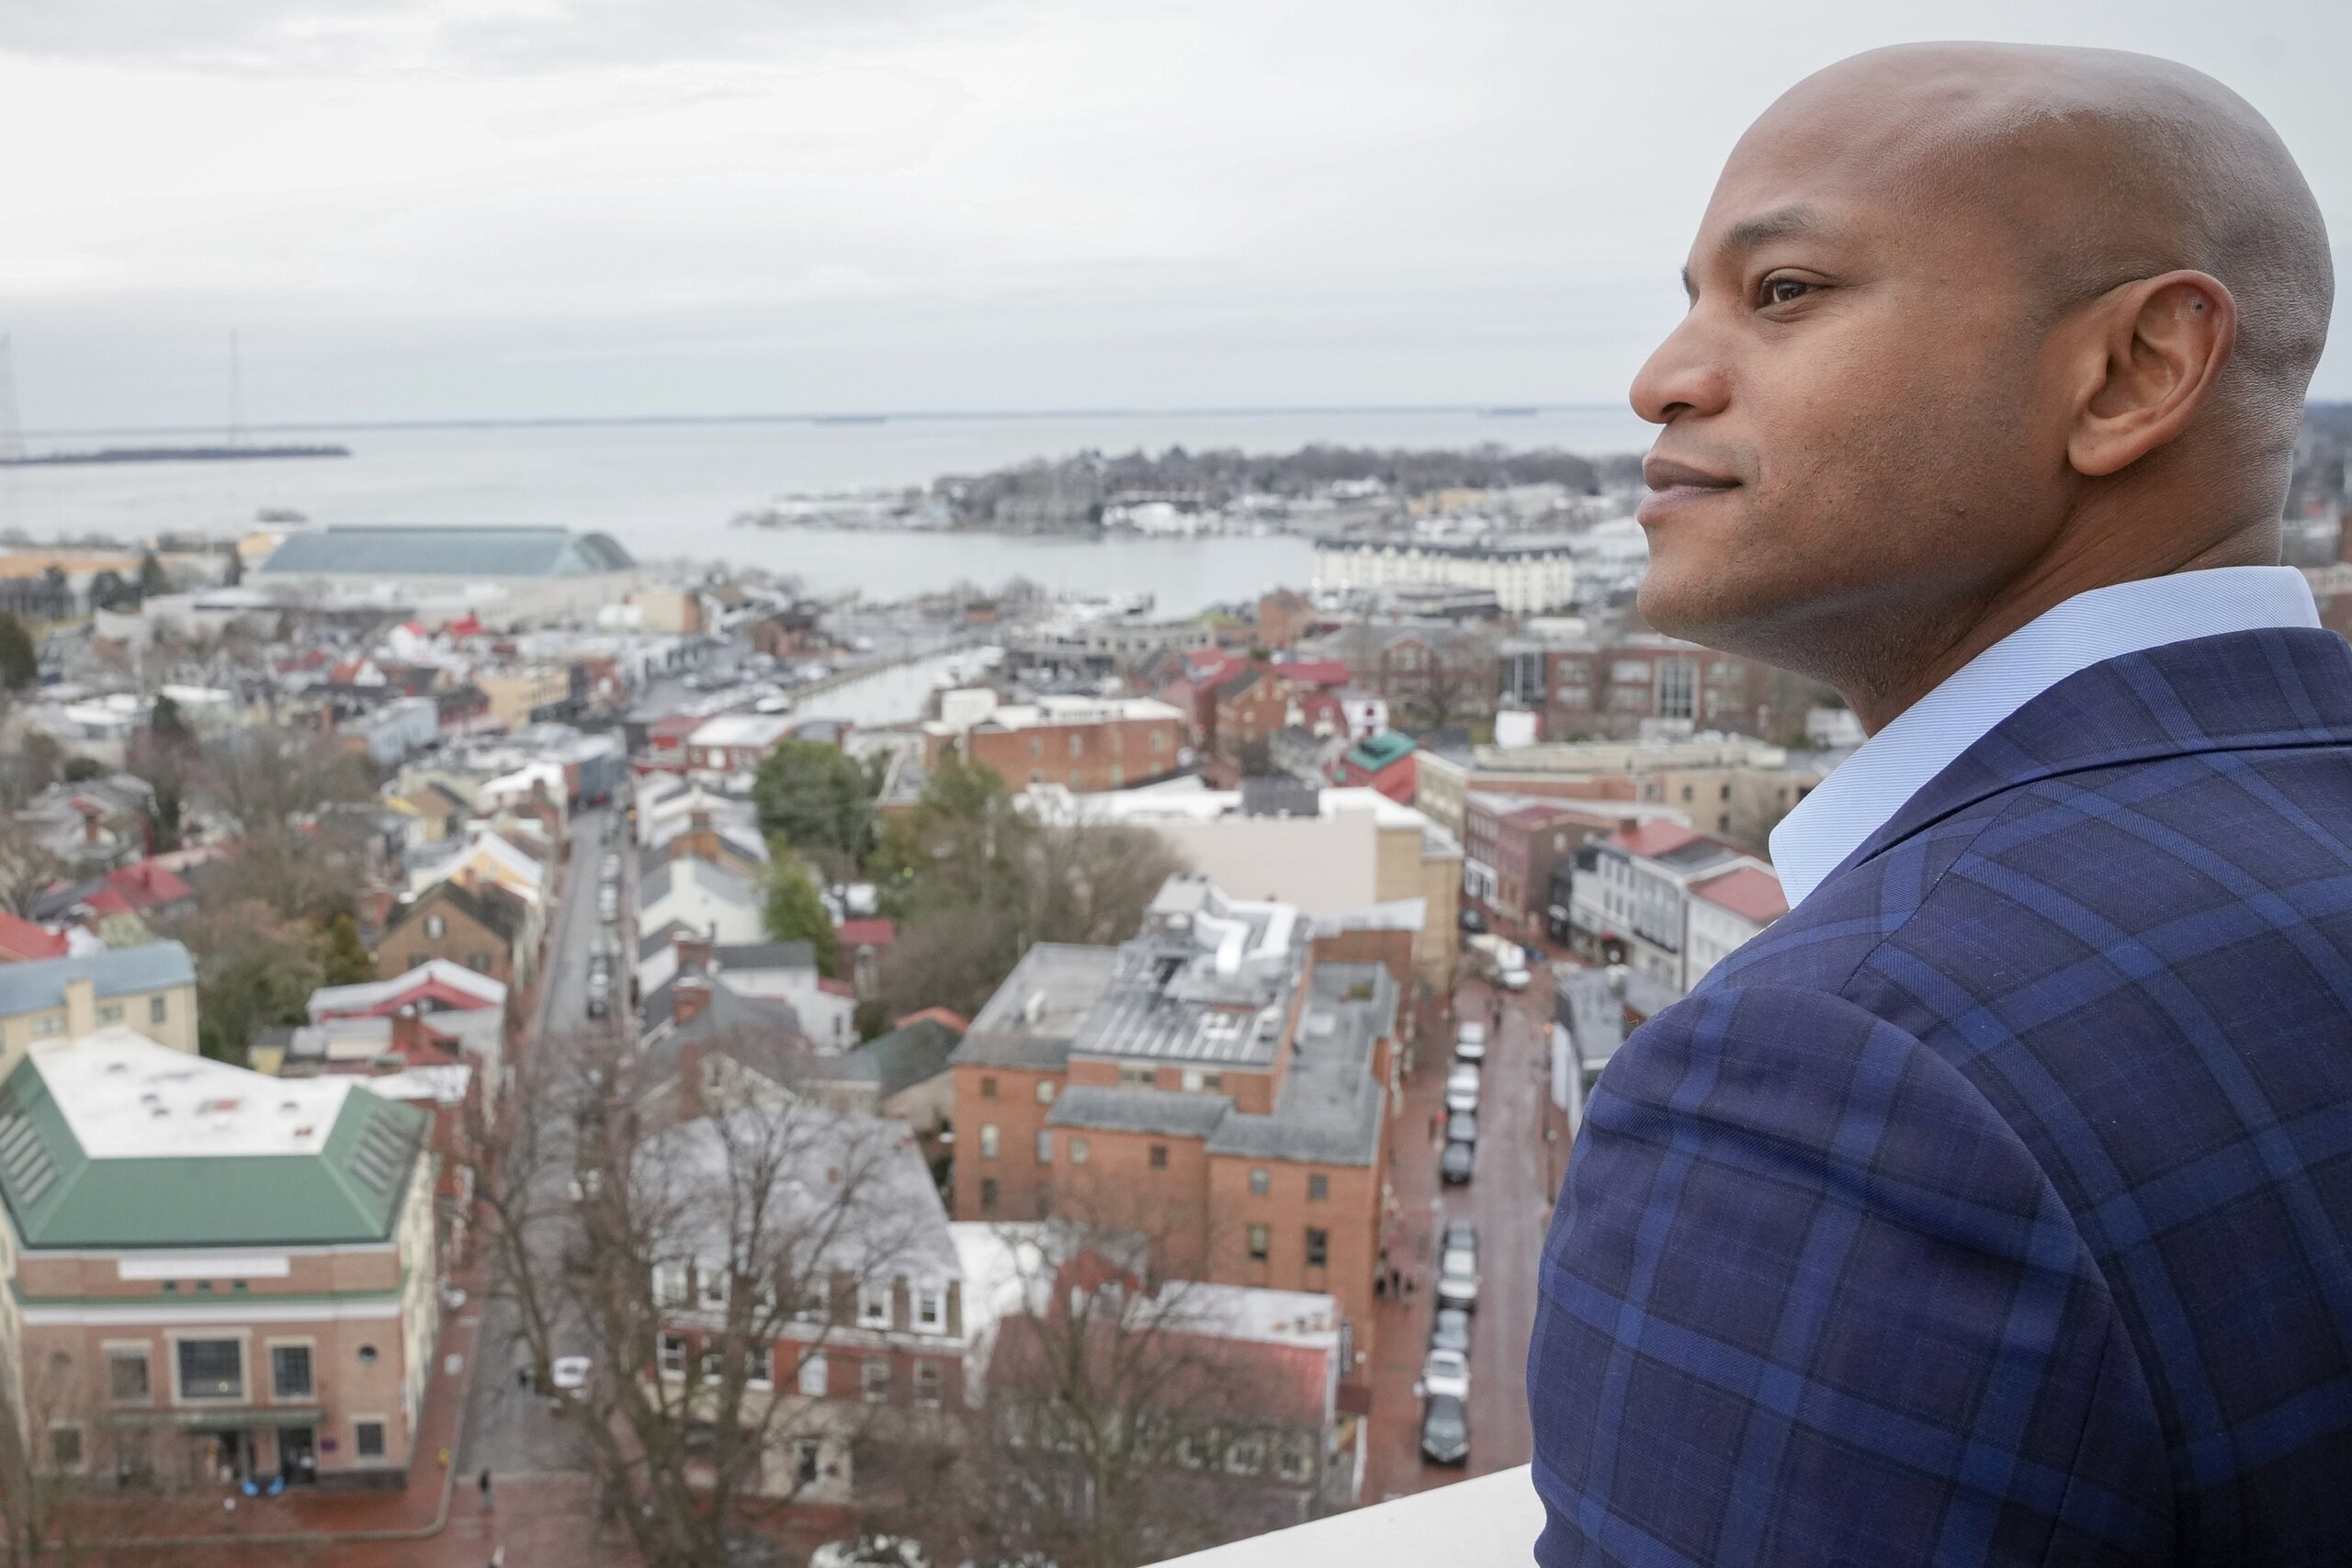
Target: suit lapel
<point>2241,692</point>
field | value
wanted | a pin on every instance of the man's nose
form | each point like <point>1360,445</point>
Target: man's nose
<point>1683,376</point>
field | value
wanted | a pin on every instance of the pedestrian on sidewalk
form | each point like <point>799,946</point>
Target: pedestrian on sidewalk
<point>484,1483</point>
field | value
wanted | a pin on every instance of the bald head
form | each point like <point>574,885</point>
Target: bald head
<point>2100,167</point>
<point>1976,327</point>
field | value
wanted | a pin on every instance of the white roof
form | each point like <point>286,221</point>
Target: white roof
<point>127,1098</point>
<point>438,1085</point>
<point>370,994</point>
<point>1047,711</point>
<point>761,730</point>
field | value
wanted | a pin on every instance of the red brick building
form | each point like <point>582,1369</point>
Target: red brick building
<point>1211,1084</point>
<point>1082,743</point>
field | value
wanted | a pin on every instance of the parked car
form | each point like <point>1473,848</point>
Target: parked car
<point>1445,1430</point>
<point>599,1003</point>
<point>1446,1372</point>
<point>1461,1127</point>
<point>611,868</point>
<point>1472,918</point>
<point>608,903</point>
<point>1457,1280</point>
<point>1460,1235</point>
<point>571,1375</point>
<point>1450,1331</point>
<point>1470,1043</point>
<point>1462,1089</point>
<point>1455,1165</point>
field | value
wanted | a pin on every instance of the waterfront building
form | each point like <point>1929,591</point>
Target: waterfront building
<point>507,575</point>
<point>1527,573</point>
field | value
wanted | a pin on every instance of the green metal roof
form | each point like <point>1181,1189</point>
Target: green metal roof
<point>60,1196</point>
<point>1377,751</point>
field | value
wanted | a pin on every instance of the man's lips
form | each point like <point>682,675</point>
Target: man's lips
<point>1675,485</point>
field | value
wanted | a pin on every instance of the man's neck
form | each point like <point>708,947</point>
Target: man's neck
<point>2032,597</point>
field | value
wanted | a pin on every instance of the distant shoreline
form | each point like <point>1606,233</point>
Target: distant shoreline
<point>1509,413</point>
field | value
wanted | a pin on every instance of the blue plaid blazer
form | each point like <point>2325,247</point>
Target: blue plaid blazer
<point>1996,1205</point>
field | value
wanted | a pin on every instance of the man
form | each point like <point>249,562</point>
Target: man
<point>1993,1206</point>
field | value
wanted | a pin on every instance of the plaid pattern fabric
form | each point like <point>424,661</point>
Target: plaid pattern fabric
<point>1996,1205</point>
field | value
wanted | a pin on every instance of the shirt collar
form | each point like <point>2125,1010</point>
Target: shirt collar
<point>1866,791</point>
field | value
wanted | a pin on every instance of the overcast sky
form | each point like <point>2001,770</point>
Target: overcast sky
<point>435,209</point>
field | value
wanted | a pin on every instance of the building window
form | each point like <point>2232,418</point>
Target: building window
<point>988,1195</point>
<point>127,1376</point>
<point>670,1284</point>
<point>289,1371</point>
<point>1295,1458</point>
<point>1036,746</point>
<point>435,926</point>
<point>1045,1147</point>
<point>158,1009</point>
<point>988,1141</point>
<point>1245,1455</point>
<point>110,1014</point>
<point>714,1289</point>
<point>1726,793</point>
<point>812,1374</point>
<point>807,1456</point>
<point>479,962</point>
<point>1077,745</point>
<point>876,1375</point>
<point>1259,1243</point>
<point>212,1369</point>
<point>1686,795</point>
<point>928,1384</point>
<point>1045,1091</point>
<point>65,1448</point>
<point>1259,1182</point>
<point>368,1439</point>
<point>1079,1151</point>
<point>873,1304</point>
<point>672,1355</point>
<point>1318,1247</point>
<point>1159,1157</point>
<point>987,1089</point>
<point>931,1307</point>
<point>1677,687</point>
<point>51,1023</point>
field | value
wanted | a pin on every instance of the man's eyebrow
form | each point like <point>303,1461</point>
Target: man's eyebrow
<point>1751,232</point>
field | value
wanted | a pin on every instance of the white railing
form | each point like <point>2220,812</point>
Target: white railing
<point>1494,1519</point>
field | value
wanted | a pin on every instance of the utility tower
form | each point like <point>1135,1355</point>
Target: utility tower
<point>12,433</point>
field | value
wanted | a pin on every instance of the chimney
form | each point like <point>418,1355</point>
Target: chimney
<point>689,994</point>
<point>90,815</point>
<point>81,1007</point>
<point>693,954</point>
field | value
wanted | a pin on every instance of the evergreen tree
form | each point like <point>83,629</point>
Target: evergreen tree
<point>796,911</point>
<point>19,660</point>
<point>345,960</point>
<point>153,577</point>
<point>816,795</point>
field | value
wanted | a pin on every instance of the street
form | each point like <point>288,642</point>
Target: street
<point>508,1429</point>
<point>1509,1200</point>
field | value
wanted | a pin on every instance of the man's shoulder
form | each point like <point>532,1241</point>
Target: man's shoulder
<point>2188,850</point>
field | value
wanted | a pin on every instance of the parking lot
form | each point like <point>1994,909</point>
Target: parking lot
<point>1508,1199</point>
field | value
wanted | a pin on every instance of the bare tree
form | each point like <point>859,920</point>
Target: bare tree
<point>1123,1423</point>
<point>28,865</point>
<point>705,1246</point>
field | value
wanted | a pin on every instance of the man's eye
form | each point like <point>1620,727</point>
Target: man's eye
<point>1785,290</point>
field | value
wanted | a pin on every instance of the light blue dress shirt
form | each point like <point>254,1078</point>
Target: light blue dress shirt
<point>1871,785</point>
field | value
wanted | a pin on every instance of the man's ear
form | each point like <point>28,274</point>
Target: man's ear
<point>2159,351</point>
